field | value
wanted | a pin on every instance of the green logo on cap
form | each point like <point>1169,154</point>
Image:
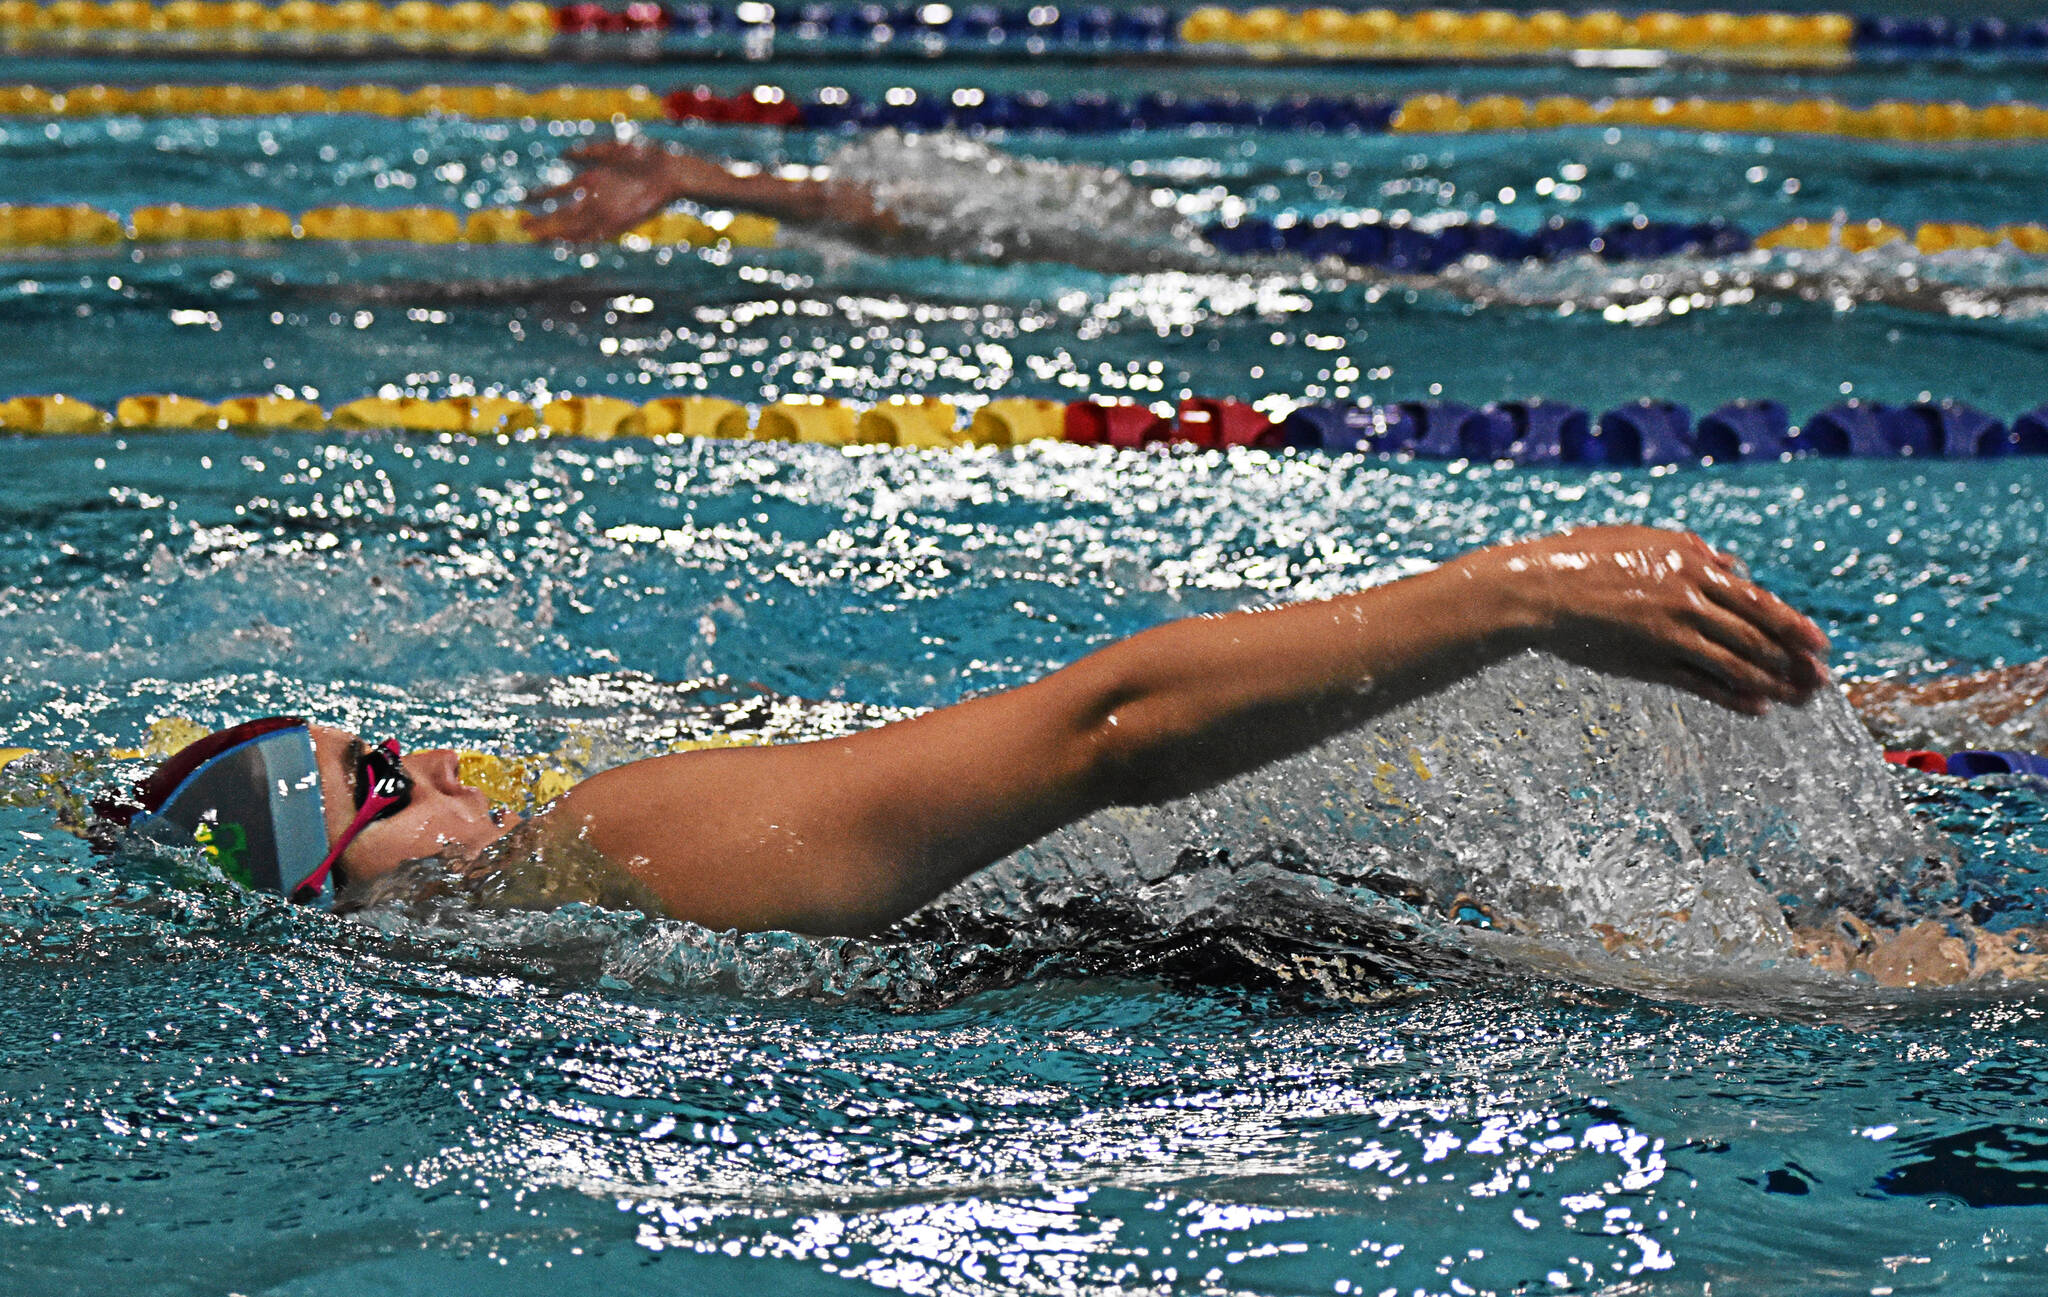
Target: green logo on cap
<point>225,844</point>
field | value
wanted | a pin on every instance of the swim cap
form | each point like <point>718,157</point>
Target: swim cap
<point>250,795</point>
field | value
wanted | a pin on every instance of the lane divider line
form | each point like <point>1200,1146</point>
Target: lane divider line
<point>974,109</point>
<point>1646,433</point>
<point>644,29</point>
<point>1399,248</point>
<point>76,225</point>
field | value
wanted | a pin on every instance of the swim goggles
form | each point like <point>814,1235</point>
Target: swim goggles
<point>251,796</point>
<point>382,789</point>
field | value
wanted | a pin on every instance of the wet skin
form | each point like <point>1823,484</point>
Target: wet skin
<point>445,816</point>
<point>848,835</point>
<point>623,182</point>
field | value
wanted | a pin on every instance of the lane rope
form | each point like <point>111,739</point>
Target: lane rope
<point>1444,34</point>
<point>1378,243</point>
<point>1972,763</point>
<point>1645,433</point>
<point>80,225</point>
<point>974,109</point>
<point>645,29</point>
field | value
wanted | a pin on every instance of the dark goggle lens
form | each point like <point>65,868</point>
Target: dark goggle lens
<point>383,774</point>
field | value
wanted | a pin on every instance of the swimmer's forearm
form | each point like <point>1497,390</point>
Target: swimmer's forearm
<point>848,835</point>
<point>1194,702</point>
<point>1190,703</point>
<point>808,202</point>
<point>1168,712</point>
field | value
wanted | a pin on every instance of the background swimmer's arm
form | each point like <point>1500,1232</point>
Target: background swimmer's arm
<point>623,182</point>
<point>850,834</point>
<point>1990,697</point>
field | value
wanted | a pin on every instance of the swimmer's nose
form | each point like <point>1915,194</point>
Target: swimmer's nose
<point>438,768</point>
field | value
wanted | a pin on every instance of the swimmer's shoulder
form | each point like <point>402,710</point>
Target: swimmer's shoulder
<point>725,837</point>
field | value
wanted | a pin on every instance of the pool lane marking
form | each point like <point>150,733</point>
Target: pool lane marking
<point>971,108</point>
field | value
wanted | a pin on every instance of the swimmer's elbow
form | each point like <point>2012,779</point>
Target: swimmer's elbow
<point>1127,744</point>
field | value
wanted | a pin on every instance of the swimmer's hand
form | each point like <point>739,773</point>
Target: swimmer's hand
<point>621,183</point>
<point>1662,606</point>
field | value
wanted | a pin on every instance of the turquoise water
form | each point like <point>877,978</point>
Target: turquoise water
<point>343,323</point>
<point>1109,1068</point>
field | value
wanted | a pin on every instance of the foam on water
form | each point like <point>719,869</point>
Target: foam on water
<point>959,196</point>
<point>1968,284</point>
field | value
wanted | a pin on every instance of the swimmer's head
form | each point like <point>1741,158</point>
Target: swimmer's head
<point>287,806</point>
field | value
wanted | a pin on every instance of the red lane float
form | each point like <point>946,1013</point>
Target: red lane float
<point>1107,423</point>
<point>590,19</point>
<point>1211,423</point>
<point>1217,422</point>
<point>1932,763</point>
<point>761,106</point>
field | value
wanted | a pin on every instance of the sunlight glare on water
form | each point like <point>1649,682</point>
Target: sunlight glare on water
<point>1147,1056</point>
<point>1498,994</point>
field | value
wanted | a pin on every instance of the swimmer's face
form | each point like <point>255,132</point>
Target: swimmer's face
<point>444,817</point>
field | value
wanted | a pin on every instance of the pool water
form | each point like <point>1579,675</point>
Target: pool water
<point>1208,1051</point>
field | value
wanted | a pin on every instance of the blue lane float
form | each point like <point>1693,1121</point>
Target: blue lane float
<point>1938,34</point>
<point>1872,430</point>
<point>1742,430</point>
<point>1435,429</point>
<point>1975,763</point>
<point>1527,432</point>
<point>1653,433</point>
<point>1043,27</point>
<point>1411,250</point>
<point>1851,430</point>
<point>1093,114</point>
<point>1648,433</point>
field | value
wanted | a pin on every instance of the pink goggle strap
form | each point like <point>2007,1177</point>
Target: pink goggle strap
<point>373,805</point>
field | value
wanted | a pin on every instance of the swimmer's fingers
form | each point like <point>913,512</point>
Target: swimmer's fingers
<point>606,152</point>
<point>568,225</point>
<point>1734,674</point>
<point>1797,634</point>
<point>1741,637</point>
<point>543,226</point>
<point>1726,560</point>
<point>549,193</point>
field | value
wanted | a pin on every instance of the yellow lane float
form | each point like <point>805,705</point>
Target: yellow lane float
<point>910,421</point>
<point>1807,39</point>
<point>1901,120</point>
<point>826,420</point>
<point>77,225</point>
<point>1016,420</point>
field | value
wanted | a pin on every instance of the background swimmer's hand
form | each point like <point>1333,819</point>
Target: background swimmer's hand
<point>1663,606</point>
<point>621,183</point>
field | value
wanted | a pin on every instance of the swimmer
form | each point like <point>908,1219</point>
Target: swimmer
<point>847,835</point>
<point>1999,708</point>
<point>946,194</point>
<point>942,194</point>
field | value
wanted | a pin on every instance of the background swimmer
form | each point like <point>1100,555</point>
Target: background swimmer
<point>942,194</point>
<point>847,835</point>
<point>946,194</point>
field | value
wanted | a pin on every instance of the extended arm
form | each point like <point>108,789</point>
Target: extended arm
<point>1990,698</point>
<point>850,834</point>
<point>622,183</point>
